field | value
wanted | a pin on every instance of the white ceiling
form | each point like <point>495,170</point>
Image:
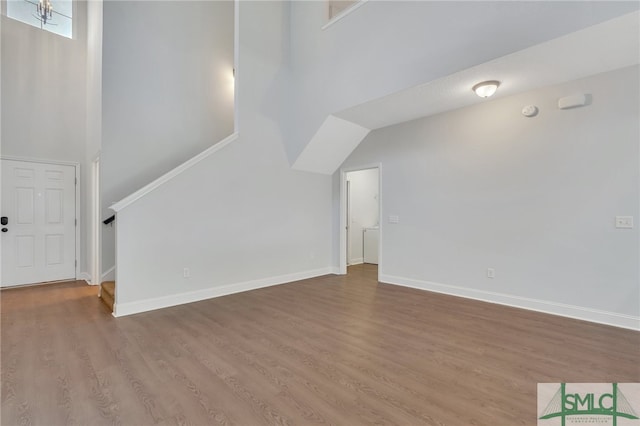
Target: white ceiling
<point>603,47</point>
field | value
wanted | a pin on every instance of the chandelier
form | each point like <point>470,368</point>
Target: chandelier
<point>45,11</point>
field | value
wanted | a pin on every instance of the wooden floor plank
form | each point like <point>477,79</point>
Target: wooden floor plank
<point>343,350</point>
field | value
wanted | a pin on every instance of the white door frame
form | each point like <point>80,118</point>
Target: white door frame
<point>76,167</point>
<point>96,222</point>
<point>342,265</point>
<point>347,223</point>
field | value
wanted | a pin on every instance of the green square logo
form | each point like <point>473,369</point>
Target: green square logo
<point>562,404</point>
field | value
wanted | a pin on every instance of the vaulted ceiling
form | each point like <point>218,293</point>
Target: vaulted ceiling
<point>559,54</point>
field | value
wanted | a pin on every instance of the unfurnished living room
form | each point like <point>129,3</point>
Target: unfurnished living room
<point>320,212</point>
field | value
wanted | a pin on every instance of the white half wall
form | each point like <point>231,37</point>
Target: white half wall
<point>167,74</point>
<point>240,218</point>
<point>534,198</point>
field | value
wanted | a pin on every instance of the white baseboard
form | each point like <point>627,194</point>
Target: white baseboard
<point>358,261</point>
<point>130,308</point>
<point>335,270</point>
<point>84,276</point>
<point>554,308</point>
<point>109,274</point>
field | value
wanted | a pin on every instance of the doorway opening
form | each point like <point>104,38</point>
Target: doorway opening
<point>360,233</point>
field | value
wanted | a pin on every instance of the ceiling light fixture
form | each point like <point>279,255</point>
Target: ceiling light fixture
<point>486,88</point>
<point>45,11</point>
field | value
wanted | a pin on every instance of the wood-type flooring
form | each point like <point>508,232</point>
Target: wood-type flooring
<point>341,350</point>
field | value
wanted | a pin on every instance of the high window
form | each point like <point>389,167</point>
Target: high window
<point>59,20</point>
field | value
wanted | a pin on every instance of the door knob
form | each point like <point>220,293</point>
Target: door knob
<point>4,229</point>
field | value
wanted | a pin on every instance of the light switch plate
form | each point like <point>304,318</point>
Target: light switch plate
<point>394,219</point>
<point>624,222</point>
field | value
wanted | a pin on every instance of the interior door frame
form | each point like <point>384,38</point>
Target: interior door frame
<point>342,229</point>
<point>96,222</point>
<point>78,227</point>
<point>348,221</point>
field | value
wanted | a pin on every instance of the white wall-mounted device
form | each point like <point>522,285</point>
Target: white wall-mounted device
<point>530,111</point>
<point>572,101</point>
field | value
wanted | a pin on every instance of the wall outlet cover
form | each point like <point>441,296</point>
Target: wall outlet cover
<point>624,222</point>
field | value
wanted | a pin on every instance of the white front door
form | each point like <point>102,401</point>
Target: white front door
<point>38,222</point>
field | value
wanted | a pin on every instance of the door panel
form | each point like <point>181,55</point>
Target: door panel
<point>54,249</point>
<point>26,250</point>
<point>25,205</point>
<point>39,200</point>
<point>54,204</point>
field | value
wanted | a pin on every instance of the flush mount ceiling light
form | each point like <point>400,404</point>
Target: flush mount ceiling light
<point>486,88</point>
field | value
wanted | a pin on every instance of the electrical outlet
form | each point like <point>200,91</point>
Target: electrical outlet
<point>624,222</point>
<point>491,273</point>
<point>186,273</point>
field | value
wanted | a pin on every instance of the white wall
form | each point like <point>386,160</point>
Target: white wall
<point>534,198</point>
<point>43,91</point>
<point>241,217</point>
<point>93,128</point>
<point>167,75</point>
<point>94,79</point>
<point>44,98</point>
<point>364,206</point>
<point>387,46</point>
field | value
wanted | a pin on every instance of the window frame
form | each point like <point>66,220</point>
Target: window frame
<point>4,10</point>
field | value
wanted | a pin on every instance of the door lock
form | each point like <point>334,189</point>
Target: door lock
<point>4,229</point>
<point>4,220</point>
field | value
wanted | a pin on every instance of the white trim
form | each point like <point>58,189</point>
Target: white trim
<point>85,276</point>
<point>96,228</point>
<point>344,13</point>
<point>357,261</point>
<point>342,228</point>
<point>554,308</point>
<point>342,237</point>
<point>236,63</point>
<point>130,308</point>
<point>172,173</point>
<point>96,157</point>
<point>39,160</point>
<point>79,221</point>
<point>108,275</point>
<point>335,270</point>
